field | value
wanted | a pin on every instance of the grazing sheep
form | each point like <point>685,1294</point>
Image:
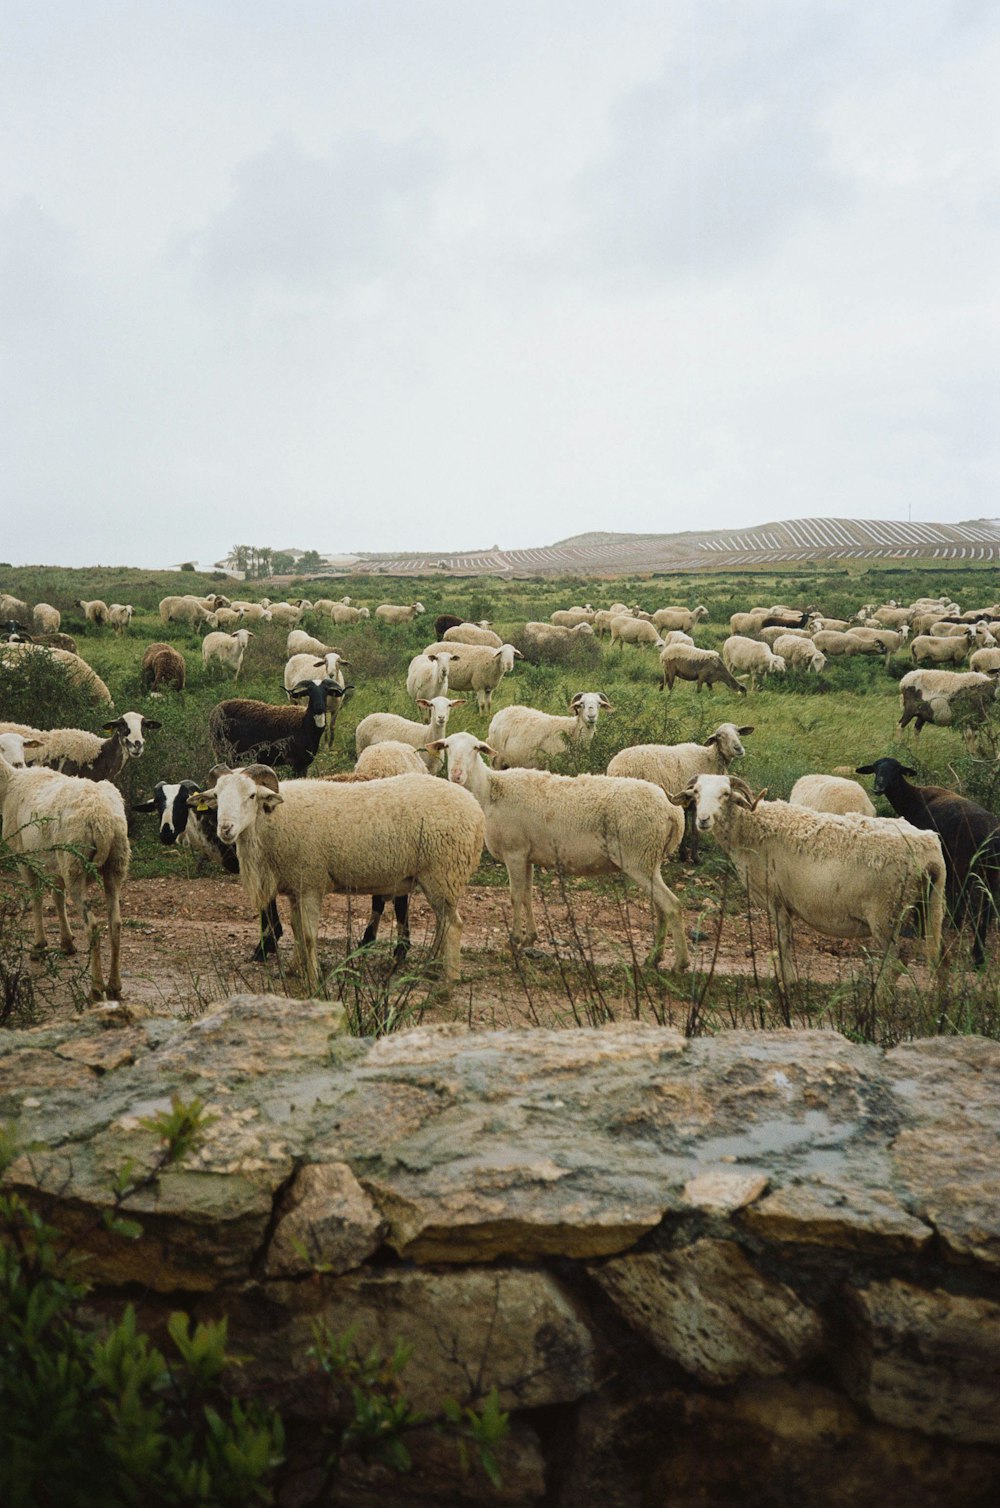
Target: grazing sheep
<point>45,619</point>
<point>242,728</point>
<point>343,614</point>
<point>471,633</point>
<point>186,611</point>
<point>427,675</point>
<point>77,670</point>
<point>749,623</point>
<point>845,876</point>
<point>685,662</point>
<point>288,613</point>
<point>326,604</point>
<point>120,615</point>
<point>928,650</point>
<point>226,650</point>
<point>71,829</point>
<point>634,631</point>
<point>480,669</point>
<point>819,624</point>
<point>228,618</point>
<point>771,636</point>
<point>673,766</point>
<point>382,727</point>
<point>95,612</point>
<point>250,612</point>
<point>985,661</point>
<point>683,618</point>
<point>542,638</point>
<point>571,617</point>
<point>163,665</point>
<point>833,643</point>
<point>577,824</point>
<point>751,656</point>
<point>378,837</point>
<point>301,643</point>
<point>830,793</point>
<point>801,654</point>
<point>381,761</point>
<point>938,696</point>
<point>524,738</point>
<point>970,839</point>
<point>604,616</point>
<point>15,607</point>
<point>389,612</point>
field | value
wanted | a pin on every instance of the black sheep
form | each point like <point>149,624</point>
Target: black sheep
<point>444,622</point>
<point>242,730</point>
<point>970,839</point>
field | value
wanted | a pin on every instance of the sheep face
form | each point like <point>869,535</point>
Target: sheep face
<point>463,752</point>
<point>886,772</point>
<point>710,796</point>
<point>237,798</point>
<point>727,737</point>
<point>439,709</point>
<point>131,728</point>
<point>587,706</point>
<point>12,747</point>
<point>170,801</point>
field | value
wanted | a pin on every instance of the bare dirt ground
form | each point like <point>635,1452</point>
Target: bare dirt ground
<point>187,942</point>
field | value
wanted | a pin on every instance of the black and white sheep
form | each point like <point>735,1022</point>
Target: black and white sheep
<point>242,729</point>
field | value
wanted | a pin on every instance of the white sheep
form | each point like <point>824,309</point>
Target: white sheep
<point>18,747</point>
<point>15,607</point>
<point>833,643</point>
<point>303,838</point>
<point>985,661</point>
<point>428,673</point>
<point>120,616</point>
<point>751,656</point>
<point>45,619</point>
<point>301,643</point>
<point>252,612</point>
<point>381,761</point>
<point>802,653</point>
<point>542,638</point>
<point>571,617</point>
<point>287,613</point>
<point>72,829</point>
<point>228,618</point>
<point>226,650</point>
<point>831,793</point>
<point>846,876</point>
<point>706,667</point>
<point>390,612</point>
<point>187,611</point>
<point>95,611</point>
<point>382,727</point>
<point>749,623</point>
<point>684,618</point>
<point>673,766</point>
<point>926,649</point>
<point>76,669</point>
<point>578,825</point>
<point>634,631</point>
<point>75,751</point>
<point>936,696</point>
<point>602,619</point>
<point>772,634</point>
<point>344,614</point>
<point>310,667</point>
<point>524,738</point>
<point>480,669</point>
<point>472,633</point>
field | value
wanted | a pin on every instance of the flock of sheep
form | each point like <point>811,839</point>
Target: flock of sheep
<point>822,857</point>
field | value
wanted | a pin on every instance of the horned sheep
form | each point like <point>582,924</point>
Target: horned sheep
<point>672,766</point>
<point>380,837</point>
<point>73,829</point>
<point>273,735</point>
<point>525,738</point>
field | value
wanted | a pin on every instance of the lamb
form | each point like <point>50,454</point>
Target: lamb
<point>936,696</point>
<point>831,793</point>
<point>970,839</point>
<point>77,670</point>
<point>524,738</point>
<point>226,650</point>
<point>74,751</point>
<point>686,619</point>
<point>45,619</point>
<point>673,766</point>
<point>704,666</point>
<point>481,669</point>
<point>578,824</point>
<point>801,654</point>
<point>71,829</point>
<point>95,611</point>
<point>634,631</point>
<point>428,674</point>
<point>382,727</point>
<point>389,612</point>
<point>378,837</point>
<point>753,656</point>
<point>273,735</point>
<point>472,633</point>
<point>120,616</point>
<point>163,665</point>
<point>845,876</point>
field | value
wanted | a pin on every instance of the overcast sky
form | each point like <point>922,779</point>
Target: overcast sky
<point>395,274</point>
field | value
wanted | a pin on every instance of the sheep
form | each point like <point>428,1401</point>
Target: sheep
<point>186,611</point>
<point>74,751</point>
<point>672,766</point>
<point>969,836</point>
<point>539,638</point>
<point>926,649</point>
<point>287,613</point>
<point>120,616</point>
<point>818,624</point>
<point>444,621</point>
<point>389,612</point>
<point>226,650</point>
<point>14,746</point>
<point>427,675</point>
<point>936,696</point>
<point>634,631</point>
<point>801,654</point>
<point>524,738</point>
<point>831,793</point>
<point>704,666</point>
<point>748,623</point>
<point>301,643</point>
<point>677,636</point>
<point>603,618</point>
<point>770,636</point>
<point>382,727</point>
<point>378,837</point>
<point>578,824</point>
<point>77,670</point>
<point>273,735</point>
<point>327,605</point>
<point>95,612</point>
<point>251,612</point>
<point>885,641</point>
<point>163,665</point>
<point>471,633</point>
<point>179,822</point>
<point>481,669</point>
<point>15,633</point>
<point>948,628</point>
<point>381,761</point>
<point>72,829</point>
<point>14,607</point>
<point>570,617</point>
<point>985,661</point>
<point>683,618</point>
<point>45,619</point>
<point>846,876</point>
<point>891,616</point>
<point>753,656</point>
<point>228,618</point>
<point>833,643</point>
<point>310,667</point>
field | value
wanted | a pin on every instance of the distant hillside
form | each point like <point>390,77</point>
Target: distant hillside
<point>792,540</point>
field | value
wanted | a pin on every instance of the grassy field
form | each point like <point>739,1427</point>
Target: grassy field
<point>801,722</point>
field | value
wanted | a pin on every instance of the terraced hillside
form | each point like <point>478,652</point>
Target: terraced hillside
<point>803,539</point>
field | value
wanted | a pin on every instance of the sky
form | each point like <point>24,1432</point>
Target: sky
<point>437,274</point>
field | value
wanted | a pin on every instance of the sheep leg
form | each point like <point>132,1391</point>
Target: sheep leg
<point>401,908</point>
<point>667,913</point>
<point>270,930</point>
<point>112,901</point>
<point>38,915</point>
<point>65,931</point>
<point>448,940</point>
<point>80,898</point>
<point>785,970</point>
<point>689,843</point>
<point>520,875</point>
<point>306,908</point>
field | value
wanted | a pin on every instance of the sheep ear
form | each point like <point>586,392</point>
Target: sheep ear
<point>459,701</point>
<point>604,701</point>
<point>438,745</point>
<point>268,800</point>
<point>204,801</point>
<point>145,806</point>
<point>151,722</point>
<point>681,798</point>
<point>518,655</point>
<point>744,731</point>
<point>486,749</point>
<point>864,769</point>
<point>422,701</point>
<point>713,738</point>
<point>576,700</point>
<point>909,770</point>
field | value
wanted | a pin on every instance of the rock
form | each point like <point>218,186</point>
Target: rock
<point>328,1224</point>
<point>837,1213</point>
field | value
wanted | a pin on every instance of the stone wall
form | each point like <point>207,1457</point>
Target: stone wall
<point>754,1269</point>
